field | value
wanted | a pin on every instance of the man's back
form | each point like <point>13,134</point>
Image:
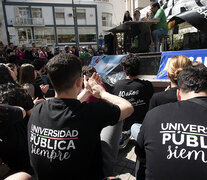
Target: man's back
<point>64,138</point>
<point>174,137</point>
<point>138,93</point>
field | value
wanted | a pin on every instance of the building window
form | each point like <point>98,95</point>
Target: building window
<point>66,35</point>
<point>81,13</point>
<point>44,35</point>
<point>24,35</point>
<point>87,34</point>
<point>23,12</point>
<point>36,12</point>
<point>107,19</point>
<point>60,15</point>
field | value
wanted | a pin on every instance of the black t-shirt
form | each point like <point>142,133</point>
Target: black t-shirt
<point>37,91</point>
<point>138,93</point>
<point>174,137</point>
<point>12,58</point>
<point>64,138</point>
<point>13,143</point>
<point>163,97</point>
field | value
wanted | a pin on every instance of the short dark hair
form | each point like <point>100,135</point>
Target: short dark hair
<point>63,70</point>
<point>155,4</point>
<point>193,78</point>
<point>88,70</point>
<point>39,63</point>
<point>136,12</point>
<point>131,64</point>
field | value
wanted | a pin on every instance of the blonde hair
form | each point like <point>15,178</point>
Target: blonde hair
<point>176,65</point>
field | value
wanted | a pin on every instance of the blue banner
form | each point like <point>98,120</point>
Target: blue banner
<point>105,64</point>
<point>193,55</point>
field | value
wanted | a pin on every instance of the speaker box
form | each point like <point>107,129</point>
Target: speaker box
<point>191,41</point>
<point>109,44</point>
<point>141,30</point>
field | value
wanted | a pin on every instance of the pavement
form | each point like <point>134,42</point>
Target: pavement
<point>125,166</point>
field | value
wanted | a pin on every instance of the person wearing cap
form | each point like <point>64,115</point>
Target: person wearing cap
<point>57,50</point>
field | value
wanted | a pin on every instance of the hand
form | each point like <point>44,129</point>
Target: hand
<point>44,88</point>
<point>95,85</point>
<point>86,84</point>
<point>37,100</point>
<point>167,88</point>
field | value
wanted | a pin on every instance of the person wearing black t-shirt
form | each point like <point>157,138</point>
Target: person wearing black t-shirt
<point>127,17</point>
<point>176,64</point>
<point>10,54</point>
<point>138,92</point>
<point>172,138</point>
<point>12,144</point>
<point>64,132</point>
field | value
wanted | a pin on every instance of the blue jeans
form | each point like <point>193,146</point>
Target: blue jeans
<point>135,130</point>
<point>156,34</point>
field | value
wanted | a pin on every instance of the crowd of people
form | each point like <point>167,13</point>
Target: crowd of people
<point>58,119</point>
<point>18,55</point>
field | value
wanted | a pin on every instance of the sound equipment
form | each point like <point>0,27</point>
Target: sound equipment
<point>191,41</point>
<point>109,44</point>
<point>141,31</point>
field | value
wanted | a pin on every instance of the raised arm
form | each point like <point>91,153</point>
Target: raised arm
<point>98,91</point>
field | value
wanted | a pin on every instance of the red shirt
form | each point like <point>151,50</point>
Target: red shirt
<point>91,98</point>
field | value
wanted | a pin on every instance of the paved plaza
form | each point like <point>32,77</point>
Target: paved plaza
<point>124,168</point>
<point>125,165</point>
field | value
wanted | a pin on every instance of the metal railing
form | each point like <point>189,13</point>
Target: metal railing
<point>19,21</point>
<point>38,42</point>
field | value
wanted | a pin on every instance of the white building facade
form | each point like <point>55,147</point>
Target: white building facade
<point>131,5</point>
<point>59,23</point>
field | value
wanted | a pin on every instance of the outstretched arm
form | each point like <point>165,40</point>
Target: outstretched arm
<point>98,91</point>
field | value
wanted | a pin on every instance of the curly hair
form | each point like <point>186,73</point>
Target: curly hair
<point>176,65</point>
<point>193,78</point>
<point>12,94</point>
<point>131,64</point>
<point>88,70</point>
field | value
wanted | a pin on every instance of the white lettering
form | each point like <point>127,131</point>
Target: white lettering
<point>166,137</point>
<point>191,141</point>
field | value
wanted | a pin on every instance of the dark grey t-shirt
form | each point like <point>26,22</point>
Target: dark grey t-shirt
<point>174,138</point>
<point>64,138</point>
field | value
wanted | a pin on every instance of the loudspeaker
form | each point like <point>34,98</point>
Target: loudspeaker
<point>109,44</point>
<point>203,39</point>
<point>191,41</point>
<point>142,31</point>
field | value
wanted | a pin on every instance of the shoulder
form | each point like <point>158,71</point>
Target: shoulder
<point>158,95</point>
<point>100,104</point>
<point>168,95</point>
<point>170,109</point>
<point>120,82</point>
<point>146,82</point>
